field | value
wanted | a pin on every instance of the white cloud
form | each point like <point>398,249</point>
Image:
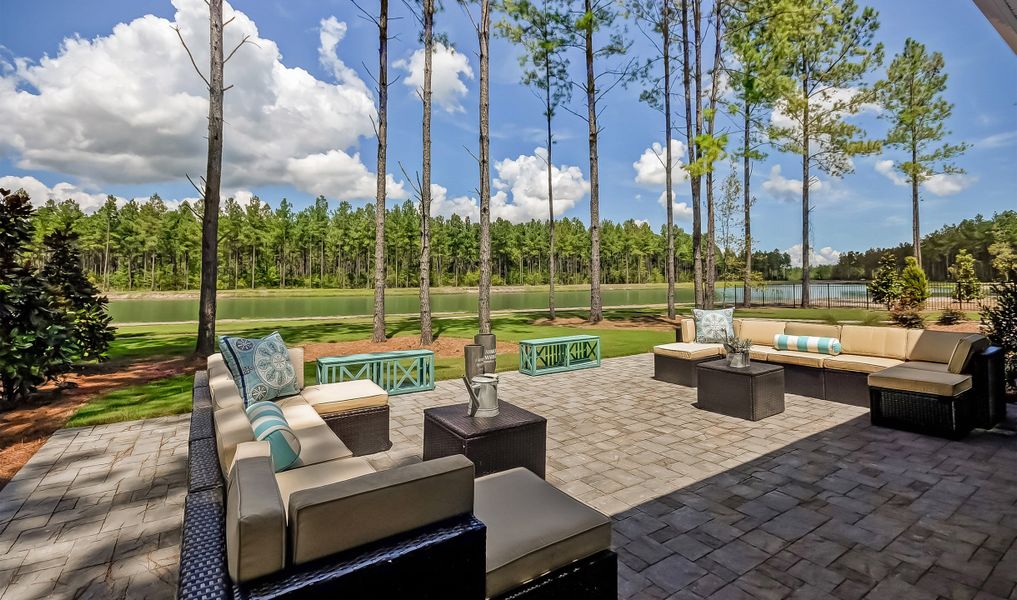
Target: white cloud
<point>824,256</point>
<point>886,169</point>
<point>127,108</point>
<point>650,169</point>
<point>447,89</point>
<point>997,140</point>
<point>947,184</point>
<point>442,205</point>
<point>682,210</point>
<point>525,179</point>
<point>39,192</point>
<point>786,189</point>
<point>940,184</point>
<point>641,222</point>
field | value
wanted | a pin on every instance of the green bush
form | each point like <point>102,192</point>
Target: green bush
<point>914,285</point>
<point>885,286</point>
<point>950,316</point>
<point>967,287</point>
<point>999,322</point>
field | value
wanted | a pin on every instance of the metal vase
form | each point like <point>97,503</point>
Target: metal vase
<point>485,390</point>
<point>488,341</point>
<point>473,354</point>
<point>738,360</point>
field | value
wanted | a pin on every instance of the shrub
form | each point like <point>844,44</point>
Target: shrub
<point>951,316</point>
<point>885,286</point>
<point>907,316</point>
<point>914,286</point>
<point>85,307</point>
<point>963,273</point>
<point>999,322</point>
<point>36,336</point>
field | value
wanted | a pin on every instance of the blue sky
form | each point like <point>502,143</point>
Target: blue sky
<point>862,209</point>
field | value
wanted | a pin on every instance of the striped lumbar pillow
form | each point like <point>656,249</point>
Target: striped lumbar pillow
<point>269,424</point>
<point>807,343</point>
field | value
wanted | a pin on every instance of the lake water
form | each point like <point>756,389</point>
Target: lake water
<point>278,307</point>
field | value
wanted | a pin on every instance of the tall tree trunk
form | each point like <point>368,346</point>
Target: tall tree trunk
<point>484,303</point>
<point>669,160</point>
<point>916,231</point>
<point>213,180</point>
<point>806,292</point>
<point>711,228</point>
<point>378,334</point>
<point>254,251</point>
<point>105,258</point>
<point>690,136</point>
<point>550,193</point>
<point>747,207</point>
<point>426,336</point>
<point>596,302</point>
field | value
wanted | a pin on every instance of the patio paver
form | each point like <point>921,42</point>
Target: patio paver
<point>811,503</point>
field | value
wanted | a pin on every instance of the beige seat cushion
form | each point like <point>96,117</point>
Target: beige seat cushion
<point>812,330</point>
<point>927,366</point>
<point>349,395</point>
<point>932,346</point>
<point>318,443</point>
<point>760,332</point>
<point>255,516</point>
<point>689,350</point>
<point>857,363</point>
<point>757,352</point>
<point>294,480</point>
<point>886,342</point>
<point>920,381</point>
<point>966,348</point>
<point>232,427</point>
<point>794,357</point>
<point>533,527</point>
<point>331,518</point>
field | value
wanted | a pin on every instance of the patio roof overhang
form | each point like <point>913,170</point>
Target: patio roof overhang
<point>1003,16</point>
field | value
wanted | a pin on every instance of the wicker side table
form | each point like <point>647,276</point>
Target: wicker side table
<point>754,392</point>
<point>515,438</point>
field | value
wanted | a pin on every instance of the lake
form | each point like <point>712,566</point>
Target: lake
<point>149,310</point>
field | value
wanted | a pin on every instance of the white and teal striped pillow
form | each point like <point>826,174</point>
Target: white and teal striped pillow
<point>807,343</point>
<point>269,424</point>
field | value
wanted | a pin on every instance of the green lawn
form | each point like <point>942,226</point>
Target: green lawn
<point>172,395</point>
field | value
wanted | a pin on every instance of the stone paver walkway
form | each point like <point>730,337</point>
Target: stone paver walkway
<point>812,503</point>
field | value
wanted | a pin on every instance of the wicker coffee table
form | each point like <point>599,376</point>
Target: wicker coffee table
<point>515,438</point>
<point>754,392</point>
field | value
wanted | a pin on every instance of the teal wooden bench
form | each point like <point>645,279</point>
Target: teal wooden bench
<point>554,355</point>
<point>398,371</point>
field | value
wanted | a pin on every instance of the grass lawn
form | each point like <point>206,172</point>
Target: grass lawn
<point>173,394</point>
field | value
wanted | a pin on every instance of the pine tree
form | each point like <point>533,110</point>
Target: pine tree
<point>914,285</point>
<point>885,286</point>
<point>81,300</point>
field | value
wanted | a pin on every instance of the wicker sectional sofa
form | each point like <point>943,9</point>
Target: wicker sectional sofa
<point>959,375</point>
<point>335,526</point>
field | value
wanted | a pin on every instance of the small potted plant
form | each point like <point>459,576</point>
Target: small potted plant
<point>737,352</point>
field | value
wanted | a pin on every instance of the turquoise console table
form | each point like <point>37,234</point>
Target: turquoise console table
<point>399,371</point>
<point>554,355</point>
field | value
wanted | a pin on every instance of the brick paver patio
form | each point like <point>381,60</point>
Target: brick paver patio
<point>812,503</point>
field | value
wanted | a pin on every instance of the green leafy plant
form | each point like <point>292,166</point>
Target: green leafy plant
<point>950,316</point>
<point>999,322</point>
<point>36,336</point>
<point>907,316</point>
<point>885,286</point>
<point>914,285</point>
<point>967,287</point>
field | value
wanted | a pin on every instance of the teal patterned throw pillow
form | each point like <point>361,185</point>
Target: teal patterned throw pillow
<point>713,326</point>
<point>261,368</point>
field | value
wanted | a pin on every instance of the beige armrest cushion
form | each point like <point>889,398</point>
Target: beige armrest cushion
<point>346,514</point>
<point>688,330</point>
<point>967,347</point>
<point>255,516</point>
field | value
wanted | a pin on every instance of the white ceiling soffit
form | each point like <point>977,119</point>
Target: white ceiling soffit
<point>1003,16</point>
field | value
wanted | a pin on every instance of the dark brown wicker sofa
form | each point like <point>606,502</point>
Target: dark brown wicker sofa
<point>339,528</point>
<point>959,375</point>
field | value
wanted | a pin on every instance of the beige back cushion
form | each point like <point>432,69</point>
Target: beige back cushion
<point>232,427</point>
<point>966,348</point>
<point>255,517</point>
<point>932,346</point>
<point>760,332</point>
<point>297,360</point>
<point>225,393</point>
<point>885,342</point>
<point>812,330</point>
<point>688,330</point>
<point>376,506</point>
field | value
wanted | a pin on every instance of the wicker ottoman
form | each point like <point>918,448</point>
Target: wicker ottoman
<point>363,430</point>
<point>754,392</point>
<point>515,438</point>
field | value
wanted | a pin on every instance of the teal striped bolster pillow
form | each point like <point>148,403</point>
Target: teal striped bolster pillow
<point>807,343</point>
<point>269,424</point>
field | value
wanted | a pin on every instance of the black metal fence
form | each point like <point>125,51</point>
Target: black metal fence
<point>848,295</point>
